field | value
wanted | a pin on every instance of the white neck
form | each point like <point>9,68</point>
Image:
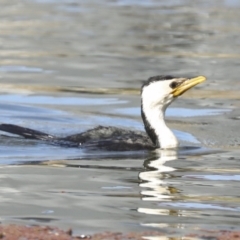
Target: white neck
<point>156,118</point>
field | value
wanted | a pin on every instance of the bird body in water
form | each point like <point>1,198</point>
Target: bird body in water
<point>156,95</point>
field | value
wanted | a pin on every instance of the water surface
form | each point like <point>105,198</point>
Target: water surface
<point>67,66</point>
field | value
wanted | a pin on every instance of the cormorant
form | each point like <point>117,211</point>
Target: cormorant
<point>157,94</point>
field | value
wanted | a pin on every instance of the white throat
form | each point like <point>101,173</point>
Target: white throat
<point>156,119</point>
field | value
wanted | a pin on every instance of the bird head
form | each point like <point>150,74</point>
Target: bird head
<point>160,91</point>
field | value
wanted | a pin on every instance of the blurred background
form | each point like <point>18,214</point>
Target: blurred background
<point>117,43</point>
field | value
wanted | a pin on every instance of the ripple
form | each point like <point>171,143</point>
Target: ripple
<point>15,68</point>
<point>176,112</point>
<point>215,177</point>
<point>50,100</point>
<point>202,206</point>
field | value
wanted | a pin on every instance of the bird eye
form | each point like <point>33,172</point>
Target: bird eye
<point>173,85</point>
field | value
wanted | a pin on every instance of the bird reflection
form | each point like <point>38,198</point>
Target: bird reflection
<point>154,178</point>
<point>155,184</point>
<point>155,181</point>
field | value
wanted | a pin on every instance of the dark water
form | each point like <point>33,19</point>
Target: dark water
<point>66,66</point>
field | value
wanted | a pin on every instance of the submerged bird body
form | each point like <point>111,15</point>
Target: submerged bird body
<point>113,138</point>
<point>102,138</point>
<point>156,95</point>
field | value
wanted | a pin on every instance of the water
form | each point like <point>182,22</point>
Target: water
<point>67,66</point>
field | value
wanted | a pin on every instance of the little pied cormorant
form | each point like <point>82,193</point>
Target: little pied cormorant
<point>156,95</point>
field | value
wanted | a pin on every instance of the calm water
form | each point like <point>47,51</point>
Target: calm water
<point>66,66</point>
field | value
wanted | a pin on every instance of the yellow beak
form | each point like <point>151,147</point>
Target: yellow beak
<point>186,85</point>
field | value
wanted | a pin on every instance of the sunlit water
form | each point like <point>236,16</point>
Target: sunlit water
<point>58,57</point>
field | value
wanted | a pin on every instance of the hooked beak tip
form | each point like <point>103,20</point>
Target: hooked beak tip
<point>187,84</point>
